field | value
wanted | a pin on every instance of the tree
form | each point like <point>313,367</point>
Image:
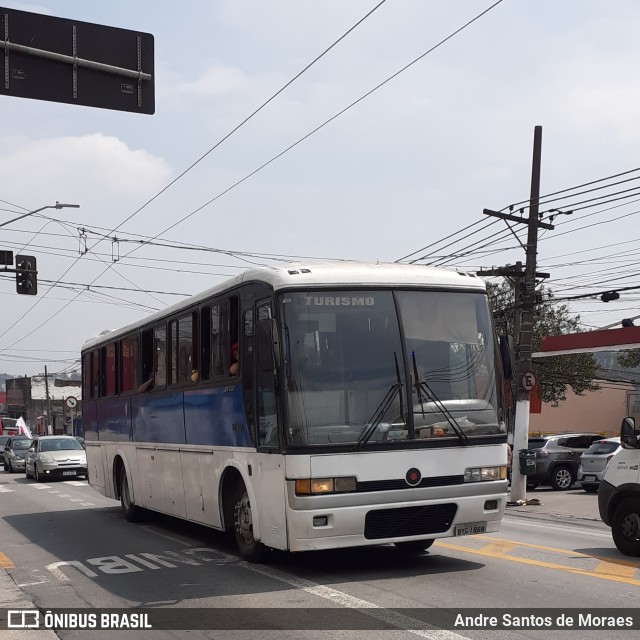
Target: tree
<point>554,374</point>
<point>630,359</point>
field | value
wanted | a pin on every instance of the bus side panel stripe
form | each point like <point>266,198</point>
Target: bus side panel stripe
<point>216,417</point>
<point>158,418</point>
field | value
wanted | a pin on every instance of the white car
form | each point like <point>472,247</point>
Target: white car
<point>55,457</point>
<point>594,461</point>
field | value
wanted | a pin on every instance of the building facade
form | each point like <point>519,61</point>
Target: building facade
<point>596,411</point>
<point>48,407</point>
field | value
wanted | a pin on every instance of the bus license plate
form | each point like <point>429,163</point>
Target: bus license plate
<point>470,528</point>
<point>68,473</point>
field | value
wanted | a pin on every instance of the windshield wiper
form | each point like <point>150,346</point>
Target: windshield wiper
<point>420,386</point>
<point>381,410</point>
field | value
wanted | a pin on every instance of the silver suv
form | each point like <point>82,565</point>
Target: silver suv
<point>558,458</point>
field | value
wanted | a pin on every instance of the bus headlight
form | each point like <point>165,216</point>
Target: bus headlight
<point>317,486</point>
<point>485,474</point>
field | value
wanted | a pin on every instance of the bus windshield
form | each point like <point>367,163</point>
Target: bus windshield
<point>349,354</point>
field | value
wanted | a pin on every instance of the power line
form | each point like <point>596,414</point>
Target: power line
<point>433,48</point>
<point>250,116</point>
<point>208,152</point>
<point>586,184</point>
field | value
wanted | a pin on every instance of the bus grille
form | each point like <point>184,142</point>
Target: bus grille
<point>392,485</point>
<point>408,521</point>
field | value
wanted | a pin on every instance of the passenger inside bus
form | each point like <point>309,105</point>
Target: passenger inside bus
<point>234,366</point>
<point>147,385</point>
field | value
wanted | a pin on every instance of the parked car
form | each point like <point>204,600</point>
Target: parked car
<point>3,442</point>
<point>55,457</point>
<point>558,458</point>
<point>594,461</point>
<point>15,451</point>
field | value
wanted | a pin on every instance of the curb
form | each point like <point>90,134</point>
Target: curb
<point>11,597</point>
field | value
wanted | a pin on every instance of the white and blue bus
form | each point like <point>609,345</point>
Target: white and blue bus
<point>365,407</point>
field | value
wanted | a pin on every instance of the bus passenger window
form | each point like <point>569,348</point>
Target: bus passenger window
<point>184,367</point>
<point>205,343</point>
<point>129,360</point>
<point>95,375</point>
<point>86,375</point>
<point>109,355</point>
<point>160,362</point>
<point>216,341</point>
<point>146,358</point>
<point>193,370</point>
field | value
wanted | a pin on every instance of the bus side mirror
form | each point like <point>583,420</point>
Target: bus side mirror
<point>628,434</point>
<point>505,357</point>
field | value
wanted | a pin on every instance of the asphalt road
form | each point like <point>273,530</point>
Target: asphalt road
<point>63,545</point>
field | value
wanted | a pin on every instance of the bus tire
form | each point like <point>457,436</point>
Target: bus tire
<point>250,549</point>
<point>625,527</point>
<point>413,546</point>
<point>131,512</point>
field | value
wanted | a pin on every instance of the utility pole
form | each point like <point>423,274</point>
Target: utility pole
<point>525,300</point>
<point>49,426</point>
<point>521,427</point>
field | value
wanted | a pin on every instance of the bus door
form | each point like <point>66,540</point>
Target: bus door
<point>270,486</point>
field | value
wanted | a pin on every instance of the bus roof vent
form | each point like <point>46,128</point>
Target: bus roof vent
<point>305,270</point>
<point>293,272</point>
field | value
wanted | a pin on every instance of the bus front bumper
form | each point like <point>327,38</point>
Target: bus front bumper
<point>334,527</point>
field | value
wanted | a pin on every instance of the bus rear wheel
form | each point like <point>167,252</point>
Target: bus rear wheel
<point>131,511</point>
<point>250,549</point>
<point>413,546</point>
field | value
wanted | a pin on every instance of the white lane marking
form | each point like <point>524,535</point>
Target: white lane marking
<point>31,584</point>
<point>54,568</point>
<point>76,483</point>
<point>76,499</point>
<point>54,491</point>
<point>64,495</point>
<point>87,504</point>
<point>5,490</point>
<point>40,486</point>
<point>388,616</point>
<point>406,623</point>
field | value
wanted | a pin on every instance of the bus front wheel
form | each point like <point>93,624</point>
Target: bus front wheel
<point>130,510</point>
<point>250,548</point>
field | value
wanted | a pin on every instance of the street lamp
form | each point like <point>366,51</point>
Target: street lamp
<point>57,205</point>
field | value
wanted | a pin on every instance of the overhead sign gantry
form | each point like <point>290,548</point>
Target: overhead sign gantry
<point>62,60</point>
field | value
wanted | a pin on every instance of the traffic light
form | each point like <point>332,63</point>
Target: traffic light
<point>26,275</point>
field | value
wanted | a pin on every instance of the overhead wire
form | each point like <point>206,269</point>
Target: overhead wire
<point>299,141</point>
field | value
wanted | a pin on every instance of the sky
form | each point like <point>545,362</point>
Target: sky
<point>405,170</point>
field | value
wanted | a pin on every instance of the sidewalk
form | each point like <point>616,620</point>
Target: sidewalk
<point>11,597</point>
<point>573,504</point>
